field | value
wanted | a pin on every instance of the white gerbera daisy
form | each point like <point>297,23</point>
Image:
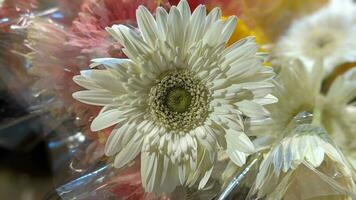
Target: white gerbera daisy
<point>179,94</point>
<point>306,152</point>
<point>327,34</point>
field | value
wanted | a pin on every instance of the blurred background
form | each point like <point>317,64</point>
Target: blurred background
<point>28,130</point>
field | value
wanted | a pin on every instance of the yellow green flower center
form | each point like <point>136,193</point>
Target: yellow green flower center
<point>179,101</point>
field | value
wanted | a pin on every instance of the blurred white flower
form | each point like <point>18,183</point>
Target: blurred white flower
<point>301,102</point>
<point>179,96</point>
<point>298,91</point>
<point>327,34</point>
<point>339,113</point>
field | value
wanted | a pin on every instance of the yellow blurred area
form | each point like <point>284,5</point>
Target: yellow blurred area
<point>274,16</point>
<point>339,70</point>
<point>266,18</point>
<point>242,31</point>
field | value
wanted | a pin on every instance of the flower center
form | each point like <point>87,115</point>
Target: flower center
<point>179,101</point>
<point>320,44</point>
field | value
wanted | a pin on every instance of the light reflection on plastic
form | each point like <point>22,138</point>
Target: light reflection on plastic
<point>73,141</point>
<point>73,188</point>
<point>78,136</point>
<point>4,20</point>
<point>57,15</point>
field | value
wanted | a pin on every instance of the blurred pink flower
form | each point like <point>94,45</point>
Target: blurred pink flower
<point>70,9</point>
<point>192,3</point>
<point>89,28</point>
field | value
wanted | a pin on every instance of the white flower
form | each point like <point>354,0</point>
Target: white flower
<point>305,158</point>
<point>328,34</point>
<point>339,113</point>
<point>297,92</point>
<point>180,94</point>
<point>301,102</point>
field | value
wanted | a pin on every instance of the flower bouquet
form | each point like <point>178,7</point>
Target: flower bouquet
<point>180,100</point>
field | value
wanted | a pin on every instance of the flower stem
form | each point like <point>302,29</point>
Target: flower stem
<point>317,112</point>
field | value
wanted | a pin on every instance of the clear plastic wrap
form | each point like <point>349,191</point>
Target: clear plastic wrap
<point>331,180</point>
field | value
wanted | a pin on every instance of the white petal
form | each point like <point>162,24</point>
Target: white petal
<point>86,83</point>
<point>135,47</point>
<point>212,36</point>
<point>238,157</point>
<point>229,28</point>
<point>205,179</point>
<point>196,26</point>
<point>184,9</point>
<point>114,142</point>
<point>252,109</point>
<point>287,155</point>
<point>213,16</point>
<point>152,170</point>
<point>332,152</point>
<point>106,119</point>
<point>94,97</point>
<point>181,174</point>
<point>244,48</point>
<point>315,155</point>
<point>105,80</point>
<point>296,156</point>
<point>237,140</point>
<point>264,171</point>
<point>277,155</point>
<point>204,139</point>
<point>237,46</point>
<point>111,63</point>
<point>147,25</point>
<point>128,153</point>
<point>176,29</point>
<point>243,69</point>
<point>162,17</point>
<point>169,177</point>
<point>149,165</point>
<point>268,99</point>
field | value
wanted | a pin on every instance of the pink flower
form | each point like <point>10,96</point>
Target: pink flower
<point>192,3</point>
<point>70,9</point>
<point>89,28</point>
